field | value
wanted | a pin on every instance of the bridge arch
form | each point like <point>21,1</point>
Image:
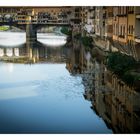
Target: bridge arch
<point>9,52</point>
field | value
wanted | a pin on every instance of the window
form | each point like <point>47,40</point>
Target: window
<point>131,42</point>
<point>116,29</point>
<point>130,29</point>
<point>123,30</point>
<point>113,28</point>
<point>120,10</point>
<point>131,9</point>
<point>110,27</point>
<point>120,30</point>
<point>124,9</point>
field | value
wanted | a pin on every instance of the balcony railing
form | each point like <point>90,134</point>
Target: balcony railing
<point>130,12</point>
<point>138,16</point>
<point>122,15</point>
<point>122,36</point>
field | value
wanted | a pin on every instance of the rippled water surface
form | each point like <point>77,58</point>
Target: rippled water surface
<point>44,98</point>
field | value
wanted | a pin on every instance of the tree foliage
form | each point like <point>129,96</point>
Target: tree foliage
<point>87,41</point>
<point>123,65</point>
<point>66,31</point>
<point>4,28</point>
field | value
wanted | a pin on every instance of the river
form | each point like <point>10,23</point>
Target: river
<point>46,97</point>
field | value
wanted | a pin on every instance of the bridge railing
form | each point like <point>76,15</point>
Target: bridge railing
<point>10,22</point>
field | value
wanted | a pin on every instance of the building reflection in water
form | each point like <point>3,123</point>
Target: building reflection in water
<point>32,52</point>
<point>115,102</point>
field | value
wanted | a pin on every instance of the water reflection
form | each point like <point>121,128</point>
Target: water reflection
<point>31,52</point>
<point>51,39</point>
<point>111,99</point>
<point>12,39</point>
<point>75,73</point>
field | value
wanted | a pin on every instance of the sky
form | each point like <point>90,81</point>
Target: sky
<point>69,2</point>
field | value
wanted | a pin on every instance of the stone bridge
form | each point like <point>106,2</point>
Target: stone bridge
<point>31,19</point>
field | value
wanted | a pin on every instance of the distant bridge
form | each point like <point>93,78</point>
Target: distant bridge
<point>48,15</point>
<point>31,19</point>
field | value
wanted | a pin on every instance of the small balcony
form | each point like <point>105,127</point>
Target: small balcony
<point>138,16</point>
<point>137,39</point>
